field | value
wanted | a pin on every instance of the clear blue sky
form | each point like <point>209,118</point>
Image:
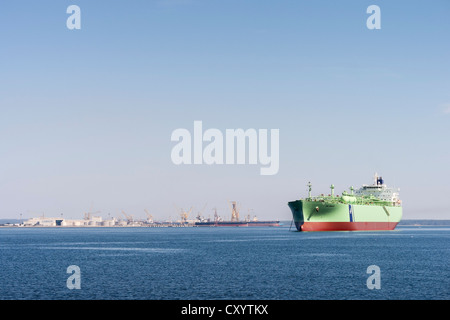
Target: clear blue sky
<point>87,115</point>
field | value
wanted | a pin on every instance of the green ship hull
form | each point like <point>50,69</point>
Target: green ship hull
<point>328,216</point>
<point>372,207</point>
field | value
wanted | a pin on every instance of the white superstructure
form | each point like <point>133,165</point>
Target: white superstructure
<point>380,191</point>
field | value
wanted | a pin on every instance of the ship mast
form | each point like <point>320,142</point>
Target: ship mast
<point>309,190</point>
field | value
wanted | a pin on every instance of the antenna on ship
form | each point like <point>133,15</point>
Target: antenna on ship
<point>332,190</point>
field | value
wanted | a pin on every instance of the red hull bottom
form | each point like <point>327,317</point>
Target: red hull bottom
<point>346,226</point>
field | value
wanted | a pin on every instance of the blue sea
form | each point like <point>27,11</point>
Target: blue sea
<point>260,263</point>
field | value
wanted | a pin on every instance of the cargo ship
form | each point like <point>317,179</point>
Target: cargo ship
<point>234,222</point>
<point>218,222</point>
<point>371,207</point>
<point>221,224</point>
<point>262,223</point>
<point>269,223</point>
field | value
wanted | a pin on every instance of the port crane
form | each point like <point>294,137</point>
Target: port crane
<point>149,216</point>
<point>199,214</point>
<point>88,215</point>
<point>184,214</point>
<point>128,217</point>
<point>234,210</point>
<point>216,216</point>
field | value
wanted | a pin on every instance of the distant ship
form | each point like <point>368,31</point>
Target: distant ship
<point>221,224</point>
<point>234,222</point>
<point>371,207</point>
<point>271,223</point>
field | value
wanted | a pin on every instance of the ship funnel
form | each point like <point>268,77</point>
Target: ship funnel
<point>380,181</point>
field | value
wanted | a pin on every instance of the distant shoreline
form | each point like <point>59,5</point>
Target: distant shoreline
<point>405,223</point>
<point>424,222</point>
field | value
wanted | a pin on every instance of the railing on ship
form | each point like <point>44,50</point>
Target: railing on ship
<point>358,200</point>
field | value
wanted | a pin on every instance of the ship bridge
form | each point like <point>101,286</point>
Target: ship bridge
<point>380,191</point>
